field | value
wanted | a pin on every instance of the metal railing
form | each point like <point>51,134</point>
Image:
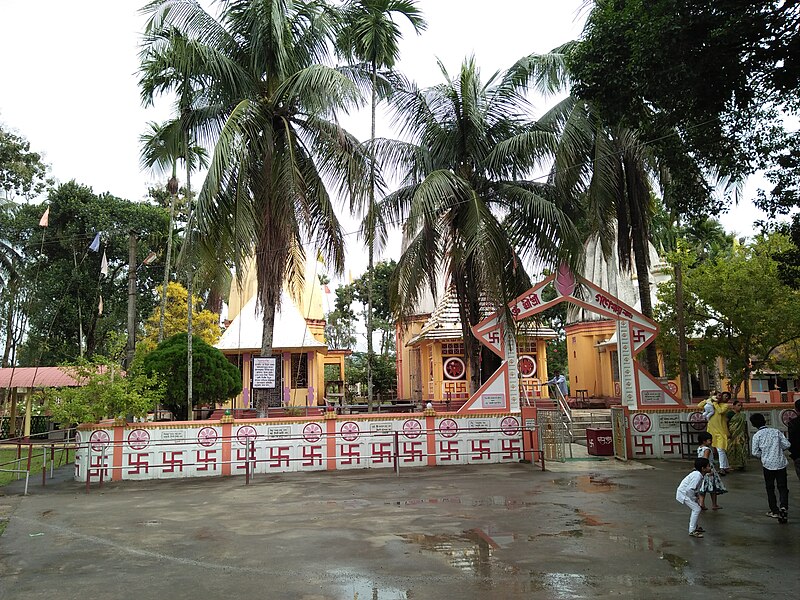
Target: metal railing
<point>28,448</point>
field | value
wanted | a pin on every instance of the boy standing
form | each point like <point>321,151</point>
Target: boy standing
<point>768,445</point>
<point>687,493</point>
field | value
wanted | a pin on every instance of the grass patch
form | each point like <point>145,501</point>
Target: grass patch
<point>8,457</point>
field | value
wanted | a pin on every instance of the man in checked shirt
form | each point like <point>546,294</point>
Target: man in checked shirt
<point>768,444</point>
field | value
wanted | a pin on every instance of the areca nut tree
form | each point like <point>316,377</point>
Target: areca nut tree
<point>369,34</point>
<point>169,61</point>
<point>270,105</point>
<point>473,213</point>
<point>161,150</point>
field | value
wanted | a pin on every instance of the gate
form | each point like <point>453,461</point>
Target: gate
<point>619,426</point>
<point>553,434</point>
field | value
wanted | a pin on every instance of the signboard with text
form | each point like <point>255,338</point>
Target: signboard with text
<point>265,372</point>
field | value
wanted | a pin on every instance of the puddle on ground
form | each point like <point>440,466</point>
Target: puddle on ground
<point>591,484</point>
<point>471,552</point>
<point>354,586</point>
<point>677,562</point>
<point>589,520</point>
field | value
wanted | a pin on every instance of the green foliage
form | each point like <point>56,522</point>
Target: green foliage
<point>717,71</point>
<point>384,372</point>
<point>107,392</point>
<point>22,172</point>
<point>62,276</point>
<point>215,379</point>
<point>340,326</point>
<point>736,307</point>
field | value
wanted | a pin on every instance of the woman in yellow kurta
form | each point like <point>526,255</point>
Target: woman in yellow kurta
<point>718,428</point>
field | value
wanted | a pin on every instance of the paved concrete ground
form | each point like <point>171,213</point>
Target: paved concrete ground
<point>588,529</point>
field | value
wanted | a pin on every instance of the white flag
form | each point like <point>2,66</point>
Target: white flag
<point>104,264</point>
<point>95,245</point>
<point>45,220</point>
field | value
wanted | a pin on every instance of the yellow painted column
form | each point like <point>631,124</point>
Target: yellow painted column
<point>28,412</point>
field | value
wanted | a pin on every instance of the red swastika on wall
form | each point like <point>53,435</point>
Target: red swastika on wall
<point>312,455</point>
<point>481,450</point>
<point>493,337</point>
<point>448,451</point>
<point>671,443</point>
<point>511,449</point>
<point>95,465</point>
<point>171,460</point>
<point>242,455</point>
<point>381,452</point>
<point>350,454</point>
<point>411,452</point>
<point>639,336</point>
<point>206,459</point>
<point>279,456</point>
<point>138,463</point>
<point>643,445</point>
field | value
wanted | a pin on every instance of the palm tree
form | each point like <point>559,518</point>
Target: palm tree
<point>268,102</point>
<point>161,150</point>
<point>609,167</point>
<point>370,35</point>
<point>467,206</point>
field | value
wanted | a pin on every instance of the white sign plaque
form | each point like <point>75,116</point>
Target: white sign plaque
<point>264,369</point>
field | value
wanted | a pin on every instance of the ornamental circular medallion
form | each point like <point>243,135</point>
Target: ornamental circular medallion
<point>510,426</point>
<point>448,428</point>
<point>245,434</point>
<point>312,432</point>
<point>412,429</point>
<point>454,368</point>
<point>350,431</point>
<point>207,436</point>
<point>641,423</point>
<point>139,439</point>
<point>99,439</point>
<point>698,421</point>
<point>788,415</point>
<point>527,366</point>
<point>672,387</point>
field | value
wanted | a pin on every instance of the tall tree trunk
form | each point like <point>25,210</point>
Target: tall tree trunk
<point>640,257</point>
<point>371,242</point>
<point>172,186</point>
<point>680,324</point>
<point>189,283</point>
<point>130,348</point>
<point>262,396</point>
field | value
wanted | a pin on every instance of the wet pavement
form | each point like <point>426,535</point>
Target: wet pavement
<point>587,529</point>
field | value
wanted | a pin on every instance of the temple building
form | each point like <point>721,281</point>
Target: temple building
<point>298,343</point>
<point>591,339</point>
<point>432,366</point>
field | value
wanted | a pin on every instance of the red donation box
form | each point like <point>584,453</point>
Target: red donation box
<point>599,442</point>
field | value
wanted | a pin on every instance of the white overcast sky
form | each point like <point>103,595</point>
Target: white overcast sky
<point>67,79</point>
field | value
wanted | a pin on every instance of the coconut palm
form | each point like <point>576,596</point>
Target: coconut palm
<point>468,208</point>
<point>268,104</point>
<point>370,35</point>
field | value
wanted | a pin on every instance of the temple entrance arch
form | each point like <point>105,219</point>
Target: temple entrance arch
<point>638,389</point>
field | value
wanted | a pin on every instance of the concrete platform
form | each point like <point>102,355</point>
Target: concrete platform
<point>587,529</point>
